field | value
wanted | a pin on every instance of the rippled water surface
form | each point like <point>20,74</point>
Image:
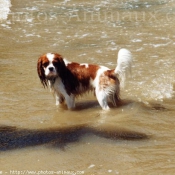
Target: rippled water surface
<point>137,137</point>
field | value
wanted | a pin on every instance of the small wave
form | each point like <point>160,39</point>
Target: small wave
<point>4,9</point>
<point>161,44</point>
<point>159,90</point>
<point>136,40</point>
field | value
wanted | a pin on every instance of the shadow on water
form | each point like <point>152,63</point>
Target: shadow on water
<point>84,105</point>
<point>123,103</point>
<point>16,138</point>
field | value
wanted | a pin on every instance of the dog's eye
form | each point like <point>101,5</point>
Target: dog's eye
<point>45,64</point>
<point>55,62</point>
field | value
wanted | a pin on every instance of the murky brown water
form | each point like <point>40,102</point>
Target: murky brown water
<point>138,137</point>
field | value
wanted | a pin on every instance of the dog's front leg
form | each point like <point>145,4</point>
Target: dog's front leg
<point>61,94</point>
<point>59,99</point>
<point>70,101</point>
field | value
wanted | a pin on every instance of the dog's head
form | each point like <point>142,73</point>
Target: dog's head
<point>49,67</point>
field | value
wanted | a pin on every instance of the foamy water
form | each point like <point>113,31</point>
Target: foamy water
<point>4,9</point>
<point>157,85</point>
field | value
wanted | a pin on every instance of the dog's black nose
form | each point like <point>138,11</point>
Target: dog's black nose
<point>51,69</point>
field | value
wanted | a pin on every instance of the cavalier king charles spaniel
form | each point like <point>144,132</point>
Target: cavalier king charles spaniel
<point>69,80</point>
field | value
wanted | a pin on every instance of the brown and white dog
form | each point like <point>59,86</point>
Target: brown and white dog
<point>69,79</point>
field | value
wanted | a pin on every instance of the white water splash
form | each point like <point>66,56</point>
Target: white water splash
<point>159,90</point>
<point>4,9</point>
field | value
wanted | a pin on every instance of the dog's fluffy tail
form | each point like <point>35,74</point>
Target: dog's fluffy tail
<point>124,63</point>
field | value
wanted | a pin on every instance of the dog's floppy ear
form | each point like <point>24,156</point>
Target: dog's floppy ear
<point>41,73</point>
<point>59,64</point>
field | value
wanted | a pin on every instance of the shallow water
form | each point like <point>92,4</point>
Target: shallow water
<point>138,137</point>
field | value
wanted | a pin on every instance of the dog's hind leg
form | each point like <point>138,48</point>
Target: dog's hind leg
<point>114,98</point>
<point>102,99</point>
